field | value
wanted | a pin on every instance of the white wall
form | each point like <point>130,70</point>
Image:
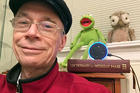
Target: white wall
<point>7,59</point>
<point>101,10</point>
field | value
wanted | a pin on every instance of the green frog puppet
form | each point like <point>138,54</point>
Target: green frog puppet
<point>87,36</point>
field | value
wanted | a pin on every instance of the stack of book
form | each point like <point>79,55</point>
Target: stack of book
<point>98,66</point>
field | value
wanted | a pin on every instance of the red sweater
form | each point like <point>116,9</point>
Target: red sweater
<point>52,82</point>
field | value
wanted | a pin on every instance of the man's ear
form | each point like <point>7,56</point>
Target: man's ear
<point>63,42</point>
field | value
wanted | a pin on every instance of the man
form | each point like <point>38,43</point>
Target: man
<point>40,28</point>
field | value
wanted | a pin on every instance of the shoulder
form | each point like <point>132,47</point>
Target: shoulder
<point>82,85</point>
<point>2,79</point>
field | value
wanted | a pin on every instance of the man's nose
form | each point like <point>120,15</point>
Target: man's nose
<point>33,31</point>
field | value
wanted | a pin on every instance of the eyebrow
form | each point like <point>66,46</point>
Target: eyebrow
<point>49,19</point>
<point>22,14</point>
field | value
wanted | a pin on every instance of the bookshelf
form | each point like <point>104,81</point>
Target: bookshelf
<point>110,80</point>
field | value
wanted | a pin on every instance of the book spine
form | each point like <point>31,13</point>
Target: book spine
<point>99,66</point>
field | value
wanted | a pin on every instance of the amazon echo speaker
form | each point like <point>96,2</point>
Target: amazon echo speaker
<point>98,50</point>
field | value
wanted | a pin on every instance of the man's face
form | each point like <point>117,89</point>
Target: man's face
<point>31,48</point>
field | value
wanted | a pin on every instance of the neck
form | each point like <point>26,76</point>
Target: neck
<point>30,72</point>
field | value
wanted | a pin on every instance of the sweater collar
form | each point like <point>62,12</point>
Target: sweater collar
<point>13,74</point>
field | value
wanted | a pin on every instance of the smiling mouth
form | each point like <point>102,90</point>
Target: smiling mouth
<point>86,22</point>
<point>33,51</point>
<point>31,48</point>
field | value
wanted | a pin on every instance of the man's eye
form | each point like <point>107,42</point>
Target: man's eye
<point>23,22</point>
<point>47,26</point>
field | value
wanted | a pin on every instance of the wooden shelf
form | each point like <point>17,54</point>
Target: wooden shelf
<point>110,80</point>
<point>102,75</point>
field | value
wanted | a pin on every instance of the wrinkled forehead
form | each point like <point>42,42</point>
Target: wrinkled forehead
<point>36,5</point>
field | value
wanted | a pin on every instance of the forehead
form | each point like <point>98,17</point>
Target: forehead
<point>39,8</point>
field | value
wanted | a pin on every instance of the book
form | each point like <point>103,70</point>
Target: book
<point>98,66</point>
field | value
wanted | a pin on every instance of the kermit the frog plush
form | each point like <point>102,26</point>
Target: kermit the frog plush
<point>87,36</point>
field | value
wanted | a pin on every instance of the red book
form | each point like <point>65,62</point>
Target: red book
<point>98,66</point>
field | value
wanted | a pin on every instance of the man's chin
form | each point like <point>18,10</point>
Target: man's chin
<point>30,62</point>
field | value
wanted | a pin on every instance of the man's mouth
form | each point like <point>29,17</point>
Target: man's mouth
<point>32,50</point>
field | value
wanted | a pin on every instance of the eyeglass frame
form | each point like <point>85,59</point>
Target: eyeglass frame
<point>38,24</point>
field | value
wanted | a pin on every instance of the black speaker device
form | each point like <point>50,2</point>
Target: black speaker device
<point>98,50</point>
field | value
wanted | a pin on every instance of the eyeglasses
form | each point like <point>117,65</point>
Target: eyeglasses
<point>44,27</point>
